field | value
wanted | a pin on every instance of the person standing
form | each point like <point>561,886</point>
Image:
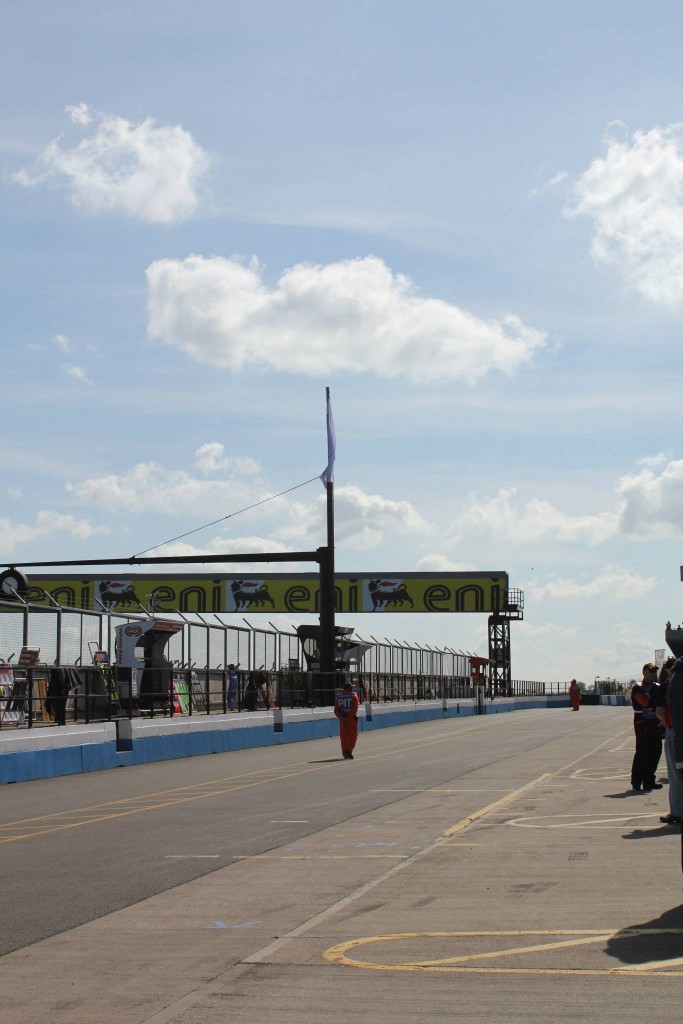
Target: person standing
<point>346,709</point>
<point>644,701</point>
<point>250,694</point>
<point>233,686</point>
<point>575,694</point>
<point>675,780</point>
<point>674,695</point>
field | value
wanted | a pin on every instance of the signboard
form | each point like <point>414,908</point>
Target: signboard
<point>293,593</point>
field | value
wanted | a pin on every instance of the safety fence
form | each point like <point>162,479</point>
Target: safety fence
<point>55,668</point>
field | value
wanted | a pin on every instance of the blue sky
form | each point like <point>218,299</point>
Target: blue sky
<point>464,218</point>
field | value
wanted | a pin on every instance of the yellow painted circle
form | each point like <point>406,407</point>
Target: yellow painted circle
<point>616,821</point>
<point>551,941</point>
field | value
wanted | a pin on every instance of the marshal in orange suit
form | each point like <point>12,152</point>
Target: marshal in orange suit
<point>346,709</point>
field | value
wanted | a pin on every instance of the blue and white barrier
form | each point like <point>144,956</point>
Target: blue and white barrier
<point>50,751</point>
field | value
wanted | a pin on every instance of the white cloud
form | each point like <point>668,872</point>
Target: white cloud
<point>434,562</point>
<point>558,179</point>
<point>139,170</point>
<point>80,113</point>
<point>62,342</point>
<point>634,194</point>
<point>646,505</point>
<point>354,315</point>
<point>211,458</point>
<point>617,584</point>
<point>149,487</point>
<point>550,630</point>
<point>47,524</point>
<point>361,521</point>
<point>537,520</point>
<point>653,460</point>
<point>653,505</point>
<point>251,544</point>
<point>77,373</point>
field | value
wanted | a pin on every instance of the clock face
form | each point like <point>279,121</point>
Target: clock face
<point>12,582</point>
<point>9,584</point>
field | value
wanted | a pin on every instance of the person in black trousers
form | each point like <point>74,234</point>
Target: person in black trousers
<point>644,700</point>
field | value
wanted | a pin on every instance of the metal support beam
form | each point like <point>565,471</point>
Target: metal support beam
<point>259,556</point>
<point>499,656</point>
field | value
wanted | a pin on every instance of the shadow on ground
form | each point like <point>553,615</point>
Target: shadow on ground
<point>659,939</point>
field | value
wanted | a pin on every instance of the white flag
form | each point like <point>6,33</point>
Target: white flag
<point>327,476</point>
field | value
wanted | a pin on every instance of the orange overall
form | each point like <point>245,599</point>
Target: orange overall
<point>346,709</point>
<point>575,695</point>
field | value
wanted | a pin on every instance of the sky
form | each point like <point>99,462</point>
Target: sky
<point>464,217</point>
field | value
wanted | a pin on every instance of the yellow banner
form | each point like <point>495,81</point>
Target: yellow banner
<point>274,592</point>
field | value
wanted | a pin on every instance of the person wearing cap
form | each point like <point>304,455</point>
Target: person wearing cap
<point>346,709</point>
<point>644,701</point>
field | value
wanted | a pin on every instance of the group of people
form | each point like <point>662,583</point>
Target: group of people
<point>657,702</point>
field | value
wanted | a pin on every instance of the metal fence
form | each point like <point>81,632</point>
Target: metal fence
<point>214,667</point>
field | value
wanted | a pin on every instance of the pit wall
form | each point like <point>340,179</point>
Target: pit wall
<point>48,752</point>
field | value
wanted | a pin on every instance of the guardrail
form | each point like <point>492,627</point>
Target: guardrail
<point>59,695</point>
<point>214,667</point>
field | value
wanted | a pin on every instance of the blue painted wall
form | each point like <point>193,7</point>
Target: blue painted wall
<point>26,765</point>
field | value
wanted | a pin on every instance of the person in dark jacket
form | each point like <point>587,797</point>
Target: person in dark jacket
<point>61,681</point>
<point>644,700</point>
<point>674,695</point>
<point>251,694</point>
<point>675,814</point>
<point>233,686</point>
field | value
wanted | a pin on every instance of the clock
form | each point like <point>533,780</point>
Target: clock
<point>12,582</point>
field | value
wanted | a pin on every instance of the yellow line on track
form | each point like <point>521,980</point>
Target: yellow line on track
<point>159,800</point>
<point>464,822</point>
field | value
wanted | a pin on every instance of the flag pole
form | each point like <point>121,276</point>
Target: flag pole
<point>327,595</point>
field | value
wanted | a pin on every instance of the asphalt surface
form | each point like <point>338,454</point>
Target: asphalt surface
<point>487,869</point>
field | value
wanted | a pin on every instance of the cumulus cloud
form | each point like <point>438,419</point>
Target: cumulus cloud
<point>434,562</point>
<point>617,584</point>
<point>79,113</point>
<point>226,485</point>
<point>653,460</point>
<point>142,171</point>
<point>634,195</point>
<point>62,342</point>
<point>361,521</point>
<point>77,373</point>
<point>353,315</point>
<point>47,524</point>
<point>537,520</point>
<point>648,503</point>
<point>652,505</point>
<point>251,544</point>
<point>211,458</point>
<point>550,630</point>
<point>150,487</point>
